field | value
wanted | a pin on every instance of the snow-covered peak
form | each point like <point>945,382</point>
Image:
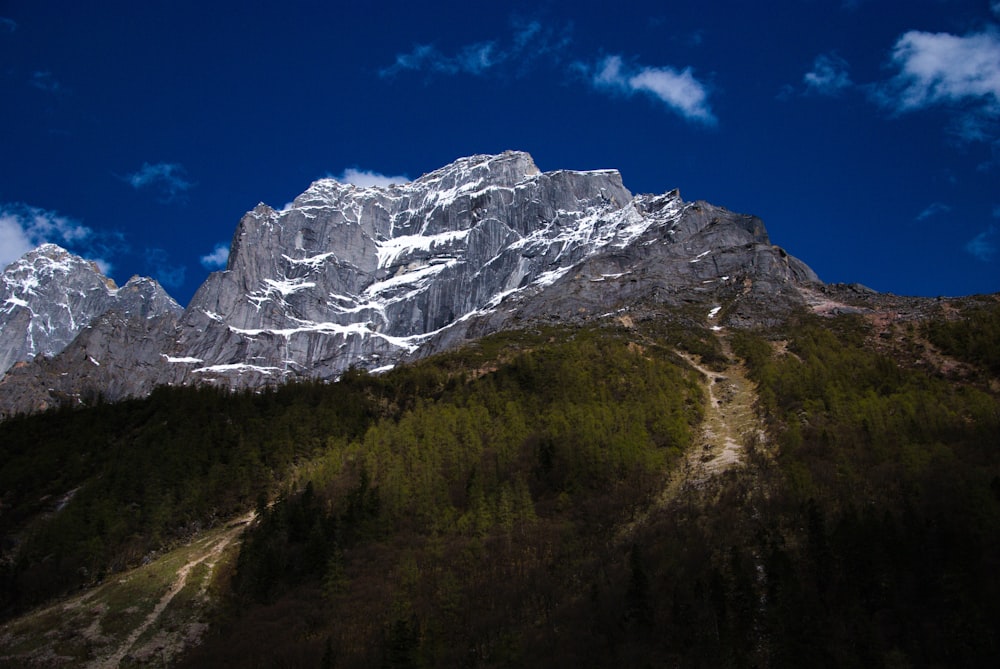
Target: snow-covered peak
<point>467,174</point>
<point>49,249</point>
<point>49,295</point>
<point>507,168</point>
<point>349,275</point>
<point>47,260</point>
<point>323,192</point>
<point>46,255</point>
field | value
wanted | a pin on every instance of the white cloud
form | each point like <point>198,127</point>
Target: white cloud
<point>961,74</point>
<point>828,76</point>
<point>984,245</point>
<point>531,40</point>
<point>23,228</point>
<point>609,74</point>
<point>168,179</point>
<point>218,258</point>
<point>14,243</point>
<point>937,68</point>
<point>933,209</point>
<point>366,178</point>
<point>679,90</point>
<point>995,6</point>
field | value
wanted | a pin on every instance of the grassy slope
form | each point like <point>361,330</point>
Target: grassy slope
<point>142,617</point>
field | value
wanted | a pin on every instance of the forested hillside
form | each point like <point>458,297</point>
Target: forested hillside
<point>508,504</point>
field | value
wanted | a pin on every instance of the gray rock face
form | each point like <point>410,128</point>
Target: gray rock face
<point>362,276</point>
<point>61,317</point>
<point>46,298</point>
<point>49,295</point>
<point>368,277</point>
<point>114,357</point>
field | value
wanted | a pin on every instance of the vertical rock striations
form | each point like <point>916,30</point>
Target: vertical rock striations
<point>348,276</point>
<point>49,295</point>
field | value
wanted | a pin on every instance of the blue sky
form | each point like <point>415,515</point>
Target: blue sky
<point>865,133</point>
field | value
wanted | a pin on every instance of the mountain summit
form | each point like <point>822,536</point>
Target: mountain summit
<point>368,277</point>
<point>49,295</point>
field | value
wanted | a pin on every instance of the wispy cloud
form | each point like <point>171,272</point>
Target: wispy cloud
<point>7,25</point>
<point>158,264</point>
<point>828,76</point>
<point>531,41</point>
<point>23,228</point>
<point>218,258</point>
<point>984,245</point>
<point>366,178</point>
<point>169,180</point>
<point>678,90</point>
<point>45,81</point>
<point>933,209</point>
<point>958,73</point>
<point>422,57</point>
<point>528,41</point>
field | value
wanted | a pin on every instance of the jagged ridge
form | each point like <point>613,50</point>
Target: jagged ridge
<point>348,276</point>
<point>49,295</point>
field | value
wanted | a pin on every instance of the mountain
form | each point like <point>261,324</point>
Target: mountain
<point>630,431</point>
<point>369,277</point>
<point>50,295</point>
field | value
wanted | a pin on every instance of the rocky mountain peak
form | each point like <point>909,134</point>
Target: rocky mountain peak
<point>49,259</point>
<point>49,295</point>
<point>144,297</point>
<point>349,275</point>
<point>368,277</point>
<point>505,169</point>
<point>46,297</point>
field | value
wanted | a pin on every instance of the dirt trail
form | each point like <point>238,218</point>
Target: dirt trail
<point>135,618</point>
<point>729,421</point>
<point>213,548</point>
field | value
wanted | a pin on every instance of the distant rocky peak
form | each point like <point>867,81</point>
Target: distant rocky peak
<point>49,295</point>
<point>49,259</point>
<point>505,169</point>
<point>47,250</point>
<point>144,297</point>
<point>43,272</point>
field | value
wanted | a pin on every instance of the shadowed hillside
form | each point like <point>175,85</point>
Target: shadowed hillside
<point>523,501</point>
